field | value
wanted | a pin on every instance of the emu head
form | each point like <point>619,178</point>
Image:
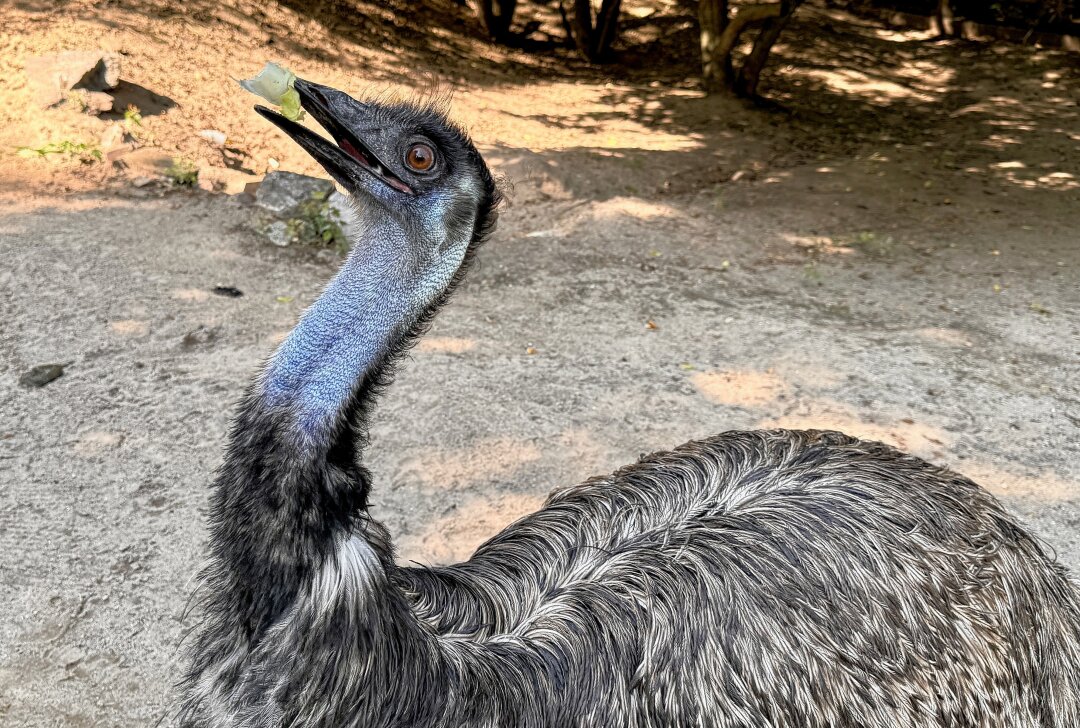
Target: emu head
<point>412,174</point>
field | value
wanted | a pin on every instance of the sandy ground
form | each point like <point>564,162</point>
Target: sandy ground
<point>897,258</point>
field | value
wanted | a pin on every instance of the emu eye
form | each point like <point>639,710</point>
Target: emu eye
<point>420,157</point>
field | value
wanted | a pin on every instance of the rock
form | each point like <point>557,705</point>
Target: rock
<point>229,181</point>
<point>283,193</point>
<point>227,291</point>
<point>278,233</point>
<point>215,137</point>
<point>41,375</point>
<point>116,143</point>
<point>96,102</point>
<point>112,137</point>
<point>52,76</point>
<point>347,214</point>
<point>145,162</point>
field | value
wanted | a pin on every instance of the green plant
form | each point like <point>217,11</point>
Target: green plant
<point>183,172</point>
<point>77,98</point>
<point>132,117</point>
<point>85,153</point>
<point>317,223</point>
<point>870,243</point>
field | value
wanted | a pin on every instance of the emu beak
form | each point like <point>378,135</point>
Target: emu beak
<point>351,162</point>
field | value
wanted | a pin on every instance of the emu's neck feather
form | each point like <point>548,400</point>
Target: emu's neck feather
<point>361,319</point>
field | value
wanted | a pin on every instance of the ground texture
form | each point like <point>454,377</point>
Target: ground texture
<point>894,253</point>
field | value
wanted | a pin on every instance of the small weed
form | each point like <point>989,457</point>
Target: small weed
<point>132,117</point>
<point>871,243</point>
<point>183,173</point>
<point>78,100</point>
<point>718,197</point>
<point>85,153</point>
<point>318,223</point>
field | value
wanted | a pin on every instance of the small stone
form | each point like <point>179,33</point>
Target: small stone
<point>277,233</point>
<point>215,137</point>
<point>115,143</point>
<point>283,193</point>
<point>96,102</point>
<point>41,375</point>
<point>227,291</point>
<point>142,181</point>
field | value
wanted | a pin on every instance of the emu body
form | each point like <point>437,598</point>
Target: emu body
<point>770,579</point>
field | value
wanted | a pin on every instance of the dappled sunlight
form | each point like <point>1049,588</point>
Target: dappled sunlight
<point>816,244</point>
<point>130,327</point>
<point>455,536</point>
<point>96,442</point>
<point>949,337</point>
<point>1022,175</point>
<point>918,438</point>
<point>445,345</point>
<point>619,207</point>
<point>875,90</point>
<point>480,463</point>
<point>748,389</point>
<point>798,371</point>
<point>893,35</point>
<point>191,295</point>
<point>585,119</point>
<point>1042,486</point>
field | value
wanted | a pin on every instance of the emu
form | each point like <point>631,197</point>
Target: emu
<point>771,579</point>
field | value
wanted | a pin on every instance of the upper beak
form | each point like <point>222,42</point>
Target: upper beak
<point>351,162</point>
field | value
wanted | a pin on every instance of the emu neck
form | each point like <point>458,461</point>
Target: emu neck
<point>362,318</point>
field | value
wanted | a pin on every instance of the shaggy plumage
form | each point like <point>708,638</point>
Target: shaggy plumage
<point>763,579</point>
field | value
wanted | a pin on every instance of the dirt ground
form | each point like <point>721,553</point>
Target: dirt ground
<point>893,251</point>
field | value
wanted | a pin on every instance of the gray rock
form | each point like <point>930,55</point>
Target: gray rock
<point>95,102</point>
<point>52,76</point>
<point>283,193</point>
<point>347,214</point>
<point>116,143</point>
<point>277,233</point>
<point>41,375</point>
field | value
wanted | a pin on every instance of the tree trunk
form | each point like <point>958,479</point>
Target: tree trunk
<point>715,67</point>
<point>720,36</point>
<point>497,16</point>
<point>593,40</point>
<point>750,74</point>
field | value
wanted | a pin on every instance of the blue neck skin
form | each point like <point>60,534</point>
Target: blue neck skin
<point>378,295</point>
